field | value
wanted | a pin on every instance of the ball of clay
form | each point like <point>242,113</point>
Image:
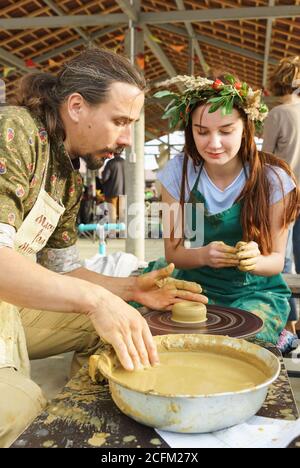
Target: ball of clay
<point>189,312</point>
<point>240,245</point>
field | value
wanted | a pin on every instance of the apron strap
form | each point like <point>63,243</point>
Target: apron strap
<point>199,175</point>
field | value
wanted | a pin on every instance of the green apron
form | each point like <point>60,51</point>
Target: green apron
<point>266,297</point>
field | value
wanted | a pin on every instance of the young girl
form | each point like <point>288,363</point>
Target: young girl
<point>248,196</point>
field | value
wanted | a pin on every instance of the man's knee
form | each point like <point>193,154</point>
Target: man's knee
<point>21,400</point>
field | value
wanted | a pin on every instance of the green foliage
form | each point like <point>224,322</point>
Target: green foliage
<point>224,96</point>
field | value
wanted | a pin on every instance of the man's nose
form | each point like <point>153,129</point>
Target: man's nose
<point>125,138</point>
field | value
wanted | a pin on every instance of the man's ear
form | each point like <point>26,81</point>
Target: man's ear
<point>75,105</point>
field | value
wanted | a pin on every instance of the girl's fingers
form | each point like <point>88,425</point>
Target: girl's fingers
<point>248,254</point>
<point>230,255</point>
<point>229,249</point>
<point>225,261</point>
<point>248,262</point>
<point>241,246</point>
<point>247,268</point>
<point>222,247</point>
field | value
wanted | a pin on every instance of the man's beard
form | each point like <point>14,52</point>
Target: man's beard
<point>96,161</point>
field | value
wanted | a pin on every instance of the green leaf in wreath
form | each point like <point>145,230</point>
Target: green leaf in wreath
<point>230,78</point>
<point>170,112</point>
<point>229,107</point>
<point>172,104</point>
<point>215,107</point>
<point>174,121</point>
<point>162,94</point>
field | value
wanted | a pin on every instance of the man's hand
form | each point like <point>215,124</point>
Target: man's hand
<point>126,330</point>
<point>158,291</point>
<point>248,254</point>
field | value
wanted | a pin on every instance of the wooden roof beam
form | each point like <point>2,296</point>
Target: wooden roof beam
<point>73,44</point>
<point>61,12</point>
<point>160,54</point>
<point>217,43</point>
<point>128,10</point>
<point>190,16</point>
<point>71,21</point>
<point>195,43</point>
<point>220,14</point>
<point>12,60</point>
<point>153,46</point>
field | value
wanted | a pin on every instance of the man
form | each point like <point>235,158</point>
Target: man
<point>86,111</point>
<point>113,179</point>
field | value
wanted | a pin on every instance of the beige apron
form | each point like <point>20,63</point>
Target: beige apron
<point>32,236</point>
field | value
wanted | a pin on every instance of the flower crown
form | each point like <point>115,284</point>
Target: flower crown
<point>218,94</point>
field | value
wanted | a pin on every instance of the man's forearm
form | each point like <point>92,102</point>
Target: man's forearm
<point>26,284</point>
<point>122,287</point>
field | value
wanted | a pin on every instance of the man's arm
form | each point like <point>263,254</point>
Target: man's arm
<point>29,285</point>
<point>122,287</point>
<point>26,284</point>
<point>144,288</point>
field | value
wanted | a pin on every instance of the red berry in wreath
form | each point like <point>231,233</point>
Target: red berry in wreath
<point>217,84</point>
<point>238,85</point>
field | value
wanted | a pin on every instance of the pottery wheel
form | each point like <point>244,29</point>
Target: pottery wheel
<point>228,321</point>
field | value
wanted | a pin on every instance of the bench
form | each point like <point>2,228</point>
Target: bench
<point>293,282</point>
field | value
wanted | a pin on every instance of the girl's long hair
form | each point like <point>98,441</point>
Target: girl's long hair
<point>255,197</point>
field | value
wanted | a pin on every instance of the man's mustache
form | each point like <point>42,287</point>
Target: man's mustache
<point>116,151</point>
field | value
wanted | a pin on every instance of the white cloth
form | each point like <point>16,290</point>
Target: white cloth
<point>218,200</point>
<point>7,235</point>
<point>257,432</point>
<point>119,264</point>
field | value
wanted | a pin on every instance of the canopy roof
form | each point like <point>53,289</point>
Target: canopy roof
<point>246,37</point>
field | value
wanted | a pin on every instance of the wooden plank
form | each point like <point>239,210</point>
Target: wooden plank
<point>293,282</point>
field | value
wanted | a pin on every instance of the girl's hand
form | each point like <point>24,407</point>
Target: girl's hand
<point>248,254</point>
<point>220,255</point>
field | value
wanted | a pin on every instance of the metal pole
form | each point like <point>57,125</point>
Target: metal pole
<point>191,70</point>
<point>134,166</point>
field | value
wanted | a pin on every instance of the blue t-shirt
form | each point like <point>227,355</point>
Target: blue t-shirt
<point>218,200</point>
